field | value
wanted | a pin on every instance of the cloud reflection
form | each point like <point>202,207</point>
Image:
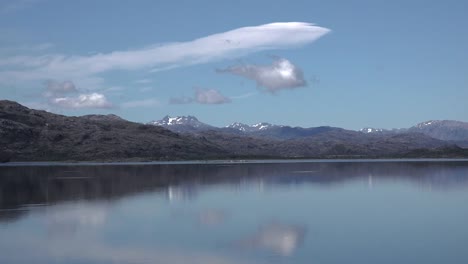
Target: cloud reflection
<point>69,219</point>
<point>92,251</point>
<point>211,217</point>
<point>282,239</point>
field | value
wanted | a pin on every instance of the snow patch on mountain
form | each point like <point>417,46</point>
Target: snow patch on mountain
<point>251,128</point>
<point>369,130</point>
<point>428,123</point>
<point>178,120</point>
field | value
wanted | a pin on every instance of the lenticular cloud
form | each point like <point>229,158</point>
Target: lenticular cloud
<point>229,44</point>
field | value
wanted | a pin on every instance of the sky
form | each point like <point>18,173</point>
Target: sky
<point>350,64</point>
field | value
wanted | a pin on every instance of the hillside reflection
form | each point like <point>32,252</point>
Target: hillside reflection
<point>25,188</point>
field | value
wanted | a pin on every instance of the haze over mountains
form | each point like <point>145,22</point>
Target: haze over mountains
<point>33,135</point>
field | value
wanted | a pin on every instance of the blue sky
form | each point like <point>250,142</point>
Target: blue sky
<point>350,64</point>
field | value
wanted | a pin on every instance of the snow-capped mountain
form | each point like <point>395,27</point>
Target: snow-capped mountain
<point>181,123</point>
<point>443,129</point>
<point>429,123</point>
<point>178,120</point>
<point>240,126</point>
<point>439,129</point>
<point>252,128</point>
<point>263,126</point>
<point>369,130</point>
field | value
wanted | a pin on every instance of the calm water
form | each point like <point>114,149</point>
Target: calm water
<point>320,212</point>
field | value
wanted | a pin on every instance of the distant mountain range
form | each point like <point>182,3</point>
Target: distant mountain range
<point>447,130</point>
<point>182,124</point>
<point>33,135</point>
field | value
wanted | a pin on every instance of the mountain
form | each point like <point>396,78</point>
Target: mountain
<point>251,128</point>
<point>32,135</point>
<point>241,127</point>
<point>336,143</point>
<point>369,130</point>
<point>443,129</point>
<point>449,130</point>
<point>263,126</point>
<point>452,131</point>
<point>191,125</point>
<point>287,132</point>
<point>109,117</point>
<point>182,124</point>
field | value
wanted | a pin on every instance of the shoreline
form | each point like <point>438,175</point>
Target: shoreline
<point>222,162</point>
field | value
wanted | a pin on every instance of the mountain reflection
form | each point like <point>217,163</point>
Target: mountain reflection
<point>25,188</point>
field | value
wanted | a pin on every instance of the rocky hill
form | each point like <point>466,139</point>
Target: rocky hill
<point>32,135</point>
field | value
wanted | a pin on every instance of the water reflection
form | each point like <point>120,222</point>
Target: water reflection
<point>282,239</point>
<point>181,193</point>
<point>22,188</point>
<point>212,217</point>
<point>31,250</point>
<point>234,213</point>
<point>66,220</point>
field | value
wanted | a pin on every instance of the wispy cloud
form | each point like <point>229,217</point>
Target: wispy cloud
<point>144,81</point>
<point>151,102</point>
<point>210,96</point>
<point>181,100</point>
<point>281,74</point>
<point>9,6</point>
<point>145,89</point>
<point>246,95</point>
<point>55,89</point>
<point>202,96</point>
<point>26,48</point>
<point>230,44</point>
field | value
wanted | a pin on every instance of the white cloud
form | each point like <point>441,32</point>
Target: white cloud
<point>151,102</point>
<point>281,74</point>
<point>230,44</point>
<point>92,100</point>
<point>66,95</point>
<point>210,96</point>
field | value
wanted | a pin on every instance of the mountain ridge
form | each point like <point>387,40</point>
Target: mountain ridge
<point>449,130</point>
<point>34,135</point>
